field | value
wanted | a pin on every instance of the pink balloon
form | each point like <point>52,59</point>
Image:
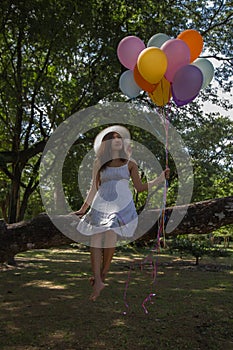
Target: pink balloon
<point>186,84</point>
<point>128,50</point>
<point>178,55</point>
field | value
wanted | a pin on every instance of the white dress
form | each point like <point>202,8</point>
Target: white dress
<point>112,207</point>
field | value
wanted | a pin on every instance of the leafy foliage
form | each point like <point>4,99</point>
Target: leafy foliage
<point>59,57</point>
<point>196,247</point>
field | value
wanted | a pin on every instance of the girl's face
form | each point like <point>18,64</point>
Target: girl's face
<point>117,142</point>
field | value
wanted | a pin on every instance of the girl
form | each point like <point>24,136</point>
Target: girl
<point>112,213</point>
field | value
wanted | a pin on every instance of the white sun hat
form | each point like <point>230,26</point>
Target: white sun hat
<point>121,130</point>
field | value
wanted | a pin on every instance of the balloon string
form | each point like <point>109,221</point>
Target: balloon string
<point>160,232</point>
<point>126,288</point>
<point>146,300</point>
<point>166,127</point>
<point>161,226</point>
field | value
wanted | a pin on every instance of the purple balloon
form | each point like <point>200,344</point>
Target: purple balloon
<point>128,51</point>
<point>180,103</point>
<point>178,55</point>
<point>186,84</point>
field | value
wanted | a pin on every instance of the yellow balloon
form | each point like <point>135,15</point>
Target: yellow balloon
<point>162,93</point>
<point>152,64</point>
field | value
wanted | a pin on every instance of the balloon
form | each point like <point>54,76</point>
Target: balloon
<point>162,93</point>
<point>178,55</point>
<point>158,40</point>
<point>194,41</point>
<point>187,84</point>
<point>128,85</point>
<point>152,64</point>
<point>207,70</point>
<point>180,103</point>
<point>128,50</point>
<point>145,85</point>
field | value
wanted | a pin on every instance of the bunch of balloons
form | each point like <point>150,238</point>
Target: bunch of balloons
<point>164,68</point>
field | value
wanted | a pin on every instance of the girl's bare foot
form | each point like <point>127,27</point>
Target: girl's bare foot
<point>97,288</point>
<point>103,276</point>
<point>92,281</point>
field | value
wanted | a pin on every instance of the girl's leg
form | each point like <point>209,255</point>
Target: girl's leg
<point>96,262</point>
<point>108,252</point>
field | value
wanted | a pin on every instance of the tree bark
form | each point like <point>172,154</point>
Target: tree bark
<point>201,218</point>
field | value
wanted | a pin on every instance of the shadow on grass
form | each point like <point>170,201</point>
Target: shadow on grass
<point>45,304</point>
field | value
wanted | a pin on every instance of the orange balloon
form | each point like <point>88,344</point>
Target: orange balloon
<point>143,83</point>
<point>162,93</point>
<point>194,41</point>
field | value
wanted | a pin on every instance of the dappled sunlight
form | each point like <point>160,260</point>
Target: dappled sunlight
<point>202,289</point>
<point>179,289</point>
<point>12,328</point>
<point>11,307</point>
<point>52,296</point>
<point>216,289</point>
<point>58,335</point>
<point>44,284</point>
<point>53,255</point>
<point>43,259</point>
<point>120,276</point>
<point>119,322</point>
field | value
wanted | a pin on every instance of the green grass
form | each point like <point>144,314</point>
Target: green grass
<point>44,304</point>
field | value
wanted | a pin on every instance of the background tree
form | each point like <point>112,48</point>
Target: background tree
<point>59,57</point>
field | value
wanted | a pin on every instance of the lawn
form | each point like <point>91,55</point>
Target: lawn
<point>45,303</point>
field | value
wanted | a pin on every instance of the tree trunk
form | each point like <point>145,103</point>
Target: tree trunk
<point>14,204</point>
<point>201,218</point>
<point>14,195</point>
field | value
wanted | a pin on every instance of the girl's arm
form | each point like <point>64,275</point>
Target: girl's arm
<point>139,186</point>
<point>92,191</point>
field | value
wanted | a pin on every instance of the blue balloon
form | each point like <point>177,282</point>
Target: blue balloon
<point>158,40</point>
<point>207,70</point>
<point>128,85</point>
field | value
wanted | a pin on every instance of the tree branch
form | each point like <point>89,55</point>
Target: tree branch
<point>22,156</point>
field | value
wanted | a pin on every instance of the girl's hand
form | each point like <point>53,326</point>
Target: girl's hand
<point>167,173</point>
<point>164,175</point>
<point>79,212</point>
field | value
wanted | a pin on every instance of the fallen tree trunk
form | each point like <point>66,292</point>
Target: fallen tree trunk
<point>39,233</point>
<point>201,217</point>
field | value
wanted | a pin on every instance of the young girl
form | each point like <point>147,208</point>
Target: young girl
<point>112,213</point>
